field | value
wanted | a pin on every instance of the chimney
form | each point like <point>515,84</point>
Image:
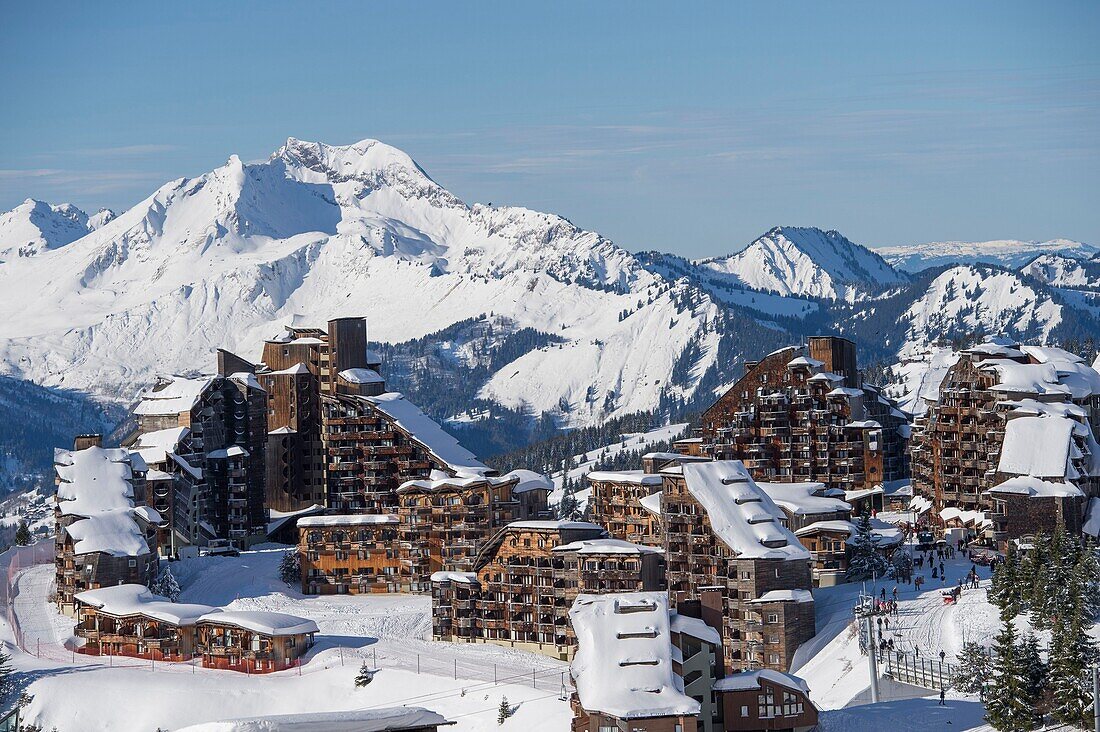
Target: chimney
<point>83,442</point>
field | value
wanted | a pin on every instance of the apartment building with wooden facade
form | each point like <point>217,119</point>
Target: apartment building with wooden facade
<point>217,462</point>
<point>723,531</point>
<point>1010,440</point>
<point>804,414</point>
<point>526,577</point>
<point>350,554</point>
<point>103,536</point>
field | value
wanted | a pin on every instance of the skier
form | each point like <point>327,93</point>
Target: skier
<point>895,592</point>
<point>942,695</point>
<point>882,593</point>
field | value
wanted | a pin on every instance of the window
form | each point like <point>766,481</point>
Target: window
<point>132,563</point>
<point>773,617</point>
<point>744,710</point>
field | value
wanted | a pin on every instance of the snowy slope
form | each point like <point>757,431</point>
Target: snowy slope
<point>807,261</point>
<point>1060,270</point>
<point>975,299</point>
<point>325,231</point>
<point>1005,252</point>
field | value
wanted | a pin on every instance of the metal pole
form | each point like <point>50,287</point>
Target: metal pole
<point>872,657</point>
<point>418,663</point>
<point>1096,698</point>
<point>456,669</point>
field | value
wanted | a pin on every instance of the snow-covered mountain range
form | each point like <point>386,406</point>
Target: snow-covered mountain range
<point>1010,253</point>
<point>34,226</point>
<point>479,308</point>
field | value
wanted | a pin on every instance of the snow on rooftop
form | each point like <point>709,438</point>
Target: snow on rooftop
<point>623,664</point>
<point>749,680</point>
<point>694,627</point>
<point>990,348</point>
<point>785,596</point>
<point>806,361</point>
<point>382,719</point>
<point>633,477</point>
<point>464,577</point>
<point>422,428</point>
<point>247,378</point>
<point>529,480</point>
<point>361,376</point>
<point>262,621</point>
<point>553,525</point>
<point>800,498</point>
<point>155,446</point>
<point>174,395</point>
<point>826,376</point>
<point>133,599</point>
<point>607,546</point>
<point>228,452</point>
<point>845,391</point>
<point>113,532</point>
<point>355,519</point>
<point>652,503</point>
<point>1024,378</point>
<point>1027,485</point>
<point>298,368</point>
<point>93,479</point>
<point>1037,446</point>
<point>741,514</point>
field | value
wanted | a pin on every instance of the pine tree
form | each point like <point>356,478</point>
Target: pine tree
<point>503,711</point>
<point>7,680</point>
<point>1071,654</point>
<point>365,676</point>
<point>1035,672</point>
<point>972,670</point>
<point>1032,579</point>
<point>1006,707</point>
<point>1007,588</point>
<point>866,561</point>
<point>290,567</point>
<point>23,534</point>
<point>166,585</point>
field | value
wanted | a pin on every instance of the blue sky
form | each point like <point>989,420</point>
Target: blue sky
<point>690,128</point>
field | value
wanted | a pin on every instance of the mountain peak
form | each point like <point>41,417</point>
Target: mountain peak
<point>34,226</point>
<point>807,261</point>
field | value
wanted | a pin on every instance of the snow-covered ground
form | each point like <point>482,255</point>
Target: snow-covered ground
<point>391,632</point>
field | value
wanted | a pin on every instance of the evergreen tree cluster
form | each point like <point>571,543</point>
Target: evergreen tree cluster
<point>1057,583</point>
<point>866,561</point>
<point>290,568</point>
<point>166,585</point>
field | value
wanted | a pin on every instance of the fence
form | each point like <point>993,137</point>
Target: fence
<point>13,561</point>
<point>908,668</point>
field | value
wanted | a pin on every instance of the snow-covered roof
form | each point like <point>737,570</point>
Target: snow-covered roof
<point>175,395</point>
<point>155,446</point>
<point>864,424</point>
<point>975,518</point>
<point>785,596</point>
<point>826,376</point>
<point>132,599</point>
<point>361,376</point>
<point>607,546</point>
<point>801,498</point>
<point>1024,378</point>
<point>553,525</point>
<point>806,361</point>
<point>427,432</point>
<point>298,368</point>
<point>652,503</point>
<point>990,348</point>
<point>464,577</point>
<point>386,719</point>
<point>845,391</point>
<point>634,477</point>
<point>262,621</point>
<point>750,680</point>
<point>93,479</point>
<point>1027,485</point>
<point>228,452</point>
<point>356,519</point>
<point>247,378</point>
<point>741,514</point>
<point>1037,408</point>
<point>900,487</point>
<point>113,532</point>
<point>1038,446</point>
<point>623,664</point>
<point>694,627</point>
<point>529,480</point>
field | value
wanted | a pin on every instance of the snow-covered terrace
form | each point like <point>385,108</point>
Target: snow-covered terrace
<point>408,417</point>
